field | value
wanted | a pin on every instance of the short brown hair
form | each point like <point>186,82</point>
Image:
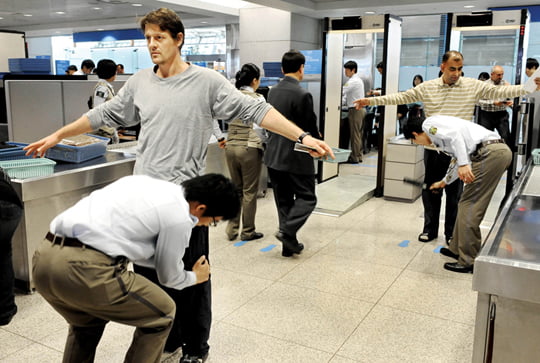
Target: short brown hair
<point>166,19</point>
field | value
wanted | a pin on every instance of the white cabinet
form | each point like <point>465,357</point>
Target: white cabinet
<point>403,160</point>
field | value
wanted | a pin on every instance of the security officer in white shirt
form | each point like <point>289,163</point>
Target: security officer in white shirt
<point>81,266</point>
<point>480,158</point>
<point>352,90</point>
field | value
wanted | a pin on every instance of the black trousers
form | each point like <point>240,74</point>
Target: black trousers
<point>295,199</point>
<point>191,327</point>
<point>10,215</point>
<point>436,165</point>
<point>496,120</point>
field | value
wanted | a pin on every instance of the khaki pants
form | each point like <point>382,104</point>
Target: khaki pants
<point>356,124</point>
<point>487,167</point>
<point>244,165</point>
<point>89,289</point>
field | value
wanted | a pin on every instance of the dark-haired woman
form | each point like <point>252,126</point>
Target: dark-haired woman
<point>417,79</point>
<point>244,153</point>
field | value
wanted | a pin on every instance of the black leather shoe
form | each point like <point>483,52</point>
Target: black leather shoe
<point>233,237</point>
<point>457,267</point>
<point>446,252</point>
<point>288,253</point>
<point>289,243</point>
<point>255,235</point>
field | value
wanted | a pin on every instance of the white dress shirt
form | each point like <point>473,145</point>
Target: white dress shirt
<point>143,219</point>
<point>353,90</point>
<point>457,137</point>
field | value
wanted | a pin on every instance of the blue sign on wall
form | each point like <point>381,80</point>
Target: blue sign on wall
<point>61,66</point>
<point>313,61</point>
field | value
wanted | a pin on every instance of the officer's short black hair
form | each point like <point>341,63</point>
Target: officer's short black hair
<point>351,65</point>
<point>218,193</point>
<point>292,61</point>
<point>531,63</point>
<point>88,63</point>
<point>413,125</point>
<point>106,68</point>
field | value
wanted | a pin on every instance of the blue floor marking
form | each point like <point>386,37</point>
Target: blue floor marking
<point>267,248</point>
<point>438,249</point>
<point>405,243</point>
<point>240,244</point>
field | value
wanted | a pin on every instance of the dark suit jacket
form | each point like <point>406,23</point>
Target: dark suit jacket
<point>296,104</point>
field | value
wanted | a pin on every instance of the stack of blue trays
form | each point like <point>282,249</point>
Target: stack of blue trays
<point>13,153</point>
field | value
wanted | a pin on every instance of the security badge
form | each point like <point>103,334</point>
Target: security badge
<point>100,94</point>
<point>432,130</point>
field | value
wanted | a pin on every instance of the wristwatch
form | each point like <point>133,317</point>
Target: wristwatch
<point>301,137</point>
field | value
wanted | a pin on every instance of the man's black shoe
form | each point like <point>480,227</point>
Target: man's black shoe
<point>289,243</point>
<point>446,252</point>
<point>457,267</point>
<point>254,236</point>
<point>288,253</point>
<point>186,358</point>
<point>233,237</point>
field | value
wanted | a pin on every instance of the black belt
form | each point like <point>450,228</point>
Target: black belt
<point>66,241</point>
<point>489,142</point>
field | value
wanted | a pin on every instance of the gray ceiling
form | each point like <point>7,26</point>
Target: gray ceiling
<point>80,15</point>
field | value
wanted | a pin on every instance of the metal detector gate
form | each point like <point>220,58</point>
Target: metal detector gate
<point>356,37</point>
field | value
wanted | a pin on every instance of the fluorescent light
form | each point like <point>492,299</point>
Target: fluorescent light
<point>28,15</point>
<point>469,6</point>
<point>136,4</point>
<point>96,8</point>
<point>369,12</point>
<point>60,12</point>
<point>1,18</point>
<point>233,4</point>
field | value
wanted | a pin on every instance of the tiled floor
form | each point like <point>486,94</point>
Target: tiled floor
<point>363,290</point>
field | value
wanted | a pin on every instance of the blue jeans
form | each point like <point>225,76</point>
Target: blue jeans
<point>10,215</point>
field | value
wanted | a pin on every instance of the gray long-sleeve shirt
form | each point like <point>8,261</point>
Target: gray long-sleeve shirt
<point>176,116</point>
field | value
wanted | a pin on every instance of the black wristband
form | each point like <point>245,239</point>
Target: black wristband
<point>301,137</point>
<point>221,139</point>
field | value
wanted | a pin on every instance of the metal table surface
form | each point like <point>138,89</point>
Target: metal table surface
<point>46,196</point>
<point>507,276</point>
<point>509,263</point>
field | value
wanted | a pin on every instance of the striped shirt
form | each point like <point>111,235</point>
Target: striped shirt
<point>456,100</point>
<point>488,105</point>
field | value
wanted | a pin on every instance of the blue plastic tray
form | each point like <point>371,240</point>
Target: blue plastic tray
<point>78,154</point>
<point>341,156</point>
<point>14,153</point>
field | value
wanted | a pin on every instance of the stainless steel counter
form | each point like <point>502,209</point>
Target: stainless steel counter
<point>45,197</point>
<point>507,278</point>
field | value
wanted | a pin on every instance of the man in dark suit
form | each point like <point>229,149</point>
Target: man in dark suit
<point>292,173</point>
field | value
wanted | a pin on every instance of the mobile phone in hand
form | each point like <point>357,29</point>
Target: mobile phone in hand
<point>303,148</point>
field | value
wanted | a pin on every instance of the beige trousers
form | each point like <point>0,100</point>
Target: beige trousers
<point>488,167</point>
<point>89,289</point>
<point>356,124</point>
